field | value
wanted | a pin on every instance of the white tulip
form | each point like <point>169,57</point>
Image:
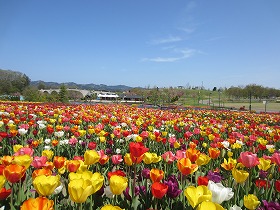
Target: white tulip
<point>22,131</point>
<point>219,192</point>
<point>235,207</point>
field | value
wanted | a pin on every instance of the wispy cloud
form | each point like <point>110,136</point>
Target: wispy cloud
<point>188,30</point>
<point>183,54</point>
<point>215,38</point>
<point>169,39</point>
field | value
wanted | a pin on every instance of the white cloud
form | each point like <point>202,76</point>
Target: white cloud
<point>161,59</point>
<point>188,30</point>
<point>215,38</point>
<point>169,39</point>
<point>184,54</point>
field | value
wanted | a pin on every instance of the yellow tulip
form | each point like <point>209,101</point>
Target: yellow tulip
<point>111,207</point>
<point>138,138</point>
<point>208,205</point>
<point>80,189</point>
<point>91,157</point>
<point>251,201</point>
<point>240,176</point>
<point>91,131</point>
<point>45,185</point>
<point>203,159</point>
<point>127,159</point>
<point>118,184</point>
<point>176,144</point>
<point>264,164</point>
<point>80,175</point>
<point>48,153</point>
<point>197,195</point>
<point>96,178</point>
<point>97,181</point>
<point>17,147</point>
<point>82,132</point>
<point>22,160</point>
<point>2,181</point>
<point>150,158</point>
<point>102,139</point>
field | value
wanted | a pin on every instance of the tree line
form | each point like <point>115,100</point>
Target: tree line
<point>13,84</point>
<point>252,91</point>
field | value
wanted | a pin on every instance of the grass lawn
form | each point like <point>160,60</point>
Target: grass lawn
<point>257,106</point>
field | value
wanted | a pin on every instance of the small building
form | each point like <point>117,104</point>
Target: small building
<point>108,96</point>
<point>131,97</point>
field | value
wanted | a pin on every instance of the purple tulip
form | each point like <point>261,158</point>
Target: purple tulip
<point>269,205</point>
<point>263,174</point>
<point>126,194</point>
<point>140,190</point>
<point>109,151</point>
<point>146,173</point>
<point>214,176</point>
<point>173,187</point>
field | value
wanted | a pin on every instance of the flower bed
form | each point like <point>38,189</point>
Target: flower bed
<point>59,156</point>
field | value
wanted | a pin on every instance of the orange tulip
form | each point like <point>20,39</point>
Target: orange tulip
<point>214,152</point>
<point>156,175</point>
<point>103,157</point>
<point>72,165</point>
<point>55,142</point>
<point>49,165</point>
<point>41,203</point>
<point>192,154</point>
<point>186,167</point>
<point>7,160</point>
<point>42,171</point>
<point>59,161</point>
<point>229,164</point>
<point>14,172</point>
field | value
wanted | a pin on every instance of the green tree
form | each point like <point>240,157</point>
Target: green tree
<point>12,82</point>
<point>62,95</point>
<point>33,94</point>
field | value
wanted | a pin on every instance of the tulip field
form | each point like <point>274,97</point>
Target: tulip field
<point>116,156</point>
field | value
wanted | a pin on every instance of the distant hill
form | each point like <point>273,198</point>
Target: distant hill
<point>91,86</point>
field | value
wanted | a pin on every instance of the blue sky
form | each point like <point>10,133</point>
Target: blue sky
<point>144,43</point>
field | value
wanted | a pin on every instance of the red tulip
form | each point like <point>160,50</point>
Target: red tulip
<point>159,189</point>
<point>4,193</point>
<point>262,183</point>
<point>117,172</point>
<point>137,149</point>
<point>202,180</point>
<point>277,185</point>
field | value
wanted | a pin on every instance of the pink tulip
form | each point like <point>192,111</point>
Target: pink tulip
<point>117,159</point>
<point>144,134</point>
<point>73,141</point>
<point>39,162</point>
<point>169,157</point>
<point>180,154</point>
<point>249,159</point>
<point>172,140</point>
<point>276,158</point>
<point>24,151</point>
